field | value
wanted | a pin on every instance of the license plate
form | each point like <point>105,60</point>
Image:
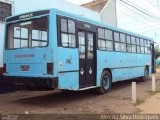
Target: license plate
<point>24,68</point>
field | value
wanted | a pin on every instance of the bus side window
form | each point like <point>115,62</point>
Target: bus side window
<point>133,41</point>
<point>68,31</point>
<point>117,41</point>
<point>105,39</point>
<point>129,46</point>
<point>123,42</point>
<point>138,45</point>
<point>142,46</point>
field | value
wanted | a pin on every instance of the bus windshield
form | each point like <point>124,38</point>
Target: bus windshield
<point>27,34</point>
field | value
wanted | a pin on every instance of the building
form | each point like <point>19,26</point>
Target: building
<point>106,8</point>
<point>6,9</point>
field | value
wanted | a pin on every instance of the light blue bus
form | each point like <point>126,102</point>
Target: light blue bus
<point>56,49</point>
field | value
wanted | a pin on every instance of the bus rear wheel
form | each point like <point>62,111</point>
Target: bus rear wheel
<point>106,82</point>
<point>146,75</point>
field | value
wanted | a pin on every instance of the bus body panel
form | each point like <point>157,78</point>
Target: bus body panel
<point>68,81</point>
<point>34,58</point>
<point>123,66</point>
<point>68,67</point>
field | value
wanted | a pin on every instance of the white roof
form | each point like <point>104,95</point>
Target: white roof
<point>23,6</point>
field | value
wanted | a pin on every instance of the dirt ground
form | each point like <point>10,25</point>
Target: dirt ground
<point>17,100</point>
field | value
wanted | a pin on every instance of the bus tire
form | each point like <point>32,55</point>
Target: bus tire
<point>146,75</point>
<point>106,82</point>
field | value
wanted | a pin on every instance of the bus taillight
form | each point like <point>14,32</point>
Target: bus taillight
<point>50,68</point>
<point>4,68</point>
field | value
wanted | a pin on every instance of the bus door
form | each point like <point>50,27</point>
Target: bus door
<point>153,59</point>
<point>87,59</point>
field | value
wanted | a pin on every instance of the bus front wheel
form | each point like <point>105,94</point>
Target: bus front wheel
<point>106,82</point>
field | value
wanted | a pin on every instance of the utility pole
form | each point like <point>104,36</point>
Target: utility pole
<point>155,37</point>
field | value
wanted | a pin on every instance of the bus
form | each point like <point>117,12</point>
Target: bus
<point>5,11</point>
<point>56,49</point>
<point>1,48</point>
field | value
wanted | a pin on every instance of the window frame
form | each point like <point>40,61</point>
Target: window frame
<point>120,42</point>
<point>47,41</point>
<point>60,32</point>
<point>104,39</point>
<point>29,33</point>
<point>20,38</point>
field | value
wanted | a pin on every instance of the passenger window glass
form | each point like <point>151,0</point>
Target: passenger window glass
<point>109,45</point>
<point>148,50</point>
<point>16,43</point>
<point>64,38</point>
<point>24,33</point>
<point>141,42</point>
<point>128,39</point>
<point>117,46</point>
<point>133,48</point>
<point>116,36</point>
<point>36,34</point>
<point>123,37</point>
<point>101,33</point>
<point>133,39</point>
<point>24,43</point>
<point>129,48</point>
<point>123,47</point>
<point>137,39</point>
<point>44,36</point>
<point>138,49</point>
<point>142,49</point>
<point>81,38</point>
<point>17,32</point>
<point>108,35</point>
<point>72,40</point>
<point>149,43</point>
<point>36,43</point>
<point>102,45</point>
<point>71,26</point>
<point>90,46</point>
<point>145,42</point>
<point>63,25</point>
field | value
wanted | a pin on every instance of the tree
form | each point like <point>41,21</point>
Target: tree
<point>157,52</point>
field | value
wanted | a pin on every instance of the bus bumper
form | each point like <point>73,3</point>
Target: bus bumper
<point>40,82</point>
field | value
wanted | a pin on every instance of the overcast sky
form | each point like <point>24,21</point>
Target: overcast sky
<point>79,2</point>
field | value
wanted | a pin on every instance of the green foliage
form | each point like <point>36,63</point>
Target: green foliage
<point>152,92</point>
<point>157,52</point>
<point>139,101</point>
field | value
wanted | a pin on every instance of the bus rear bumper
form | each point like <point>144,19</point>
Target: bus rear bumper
<point>30,81</point>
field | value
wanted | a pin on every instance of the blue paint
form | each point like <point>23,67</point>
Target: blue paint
<point>69,80</point>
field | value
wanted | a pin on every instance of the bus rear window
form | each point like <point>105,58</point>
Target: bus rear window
<point>28,34</point>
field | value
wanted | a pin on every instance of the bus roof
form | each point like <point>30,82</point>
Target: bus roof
<point>81,18</point>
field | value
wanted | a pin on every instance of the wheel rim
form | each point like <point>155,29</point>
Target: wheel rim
<point>106,82</point>
<point>146,74</point>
